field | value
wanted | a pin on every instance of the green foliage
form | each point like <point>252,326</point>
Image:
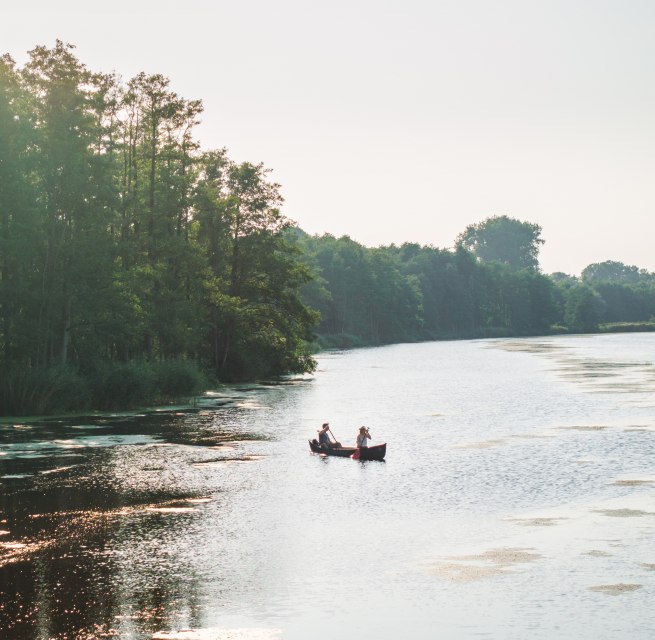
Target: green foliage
<point>616,273</point>
<point>626,327</point>
<point>626,303</point>
<point>122,244</point>
<point>626,293</point>
<point>133,264</point>
<point>392,294</point>
<point>178,378</point>
<point>584,308</point>
<point>503,239</point>
<point>364,297</point>
<point>121,386</point>
<point>27,390</point>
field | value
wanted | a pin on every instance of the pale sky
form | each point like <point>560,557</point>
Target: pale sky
<point>394,121</point>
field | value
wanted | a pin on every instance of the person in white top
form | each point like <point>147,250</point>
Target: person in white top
<point>362,437</point>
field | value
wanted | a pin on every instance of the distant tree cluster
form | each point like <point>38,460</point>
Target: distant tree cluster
<point>489,285</point>
<point>132,262</point>
<point>413,292</point>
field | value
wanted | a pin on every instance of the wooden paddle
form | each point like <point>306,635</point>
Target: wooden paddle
<point>336,442</point>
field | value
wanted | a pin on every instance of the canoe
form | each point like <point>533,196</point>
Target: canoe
<point>375,452</point>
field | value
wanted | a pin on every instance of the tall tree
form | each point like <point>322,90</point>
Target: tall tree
<point>504,239</point>
<point>19,225</point>
<point>73,171</point>
<point>258,322</point>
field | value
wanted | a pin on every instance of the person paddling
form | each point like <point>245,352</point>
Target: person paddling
<point>323,436</point>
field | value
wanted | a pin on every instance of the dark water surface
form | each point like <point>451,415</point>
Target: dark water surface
<point>517,500</point>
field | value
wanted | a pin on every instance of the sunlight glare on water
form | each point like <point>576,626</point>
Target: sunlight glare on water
<point>516,500</point>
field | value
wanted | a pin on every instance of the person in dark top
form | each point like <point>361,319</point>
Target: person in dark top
<point>323,437</point>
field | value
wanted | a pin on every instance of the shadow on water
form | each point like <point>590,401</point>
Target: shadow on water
<point>80,499</point>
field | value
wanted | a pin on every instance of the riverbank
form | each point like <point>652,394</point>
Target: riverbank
<point>326,342</point>
<point>186,402</point>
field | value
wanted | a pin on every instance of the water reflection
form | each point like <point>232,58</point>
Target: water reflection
<point>81,512</point>
<point>512,470</point>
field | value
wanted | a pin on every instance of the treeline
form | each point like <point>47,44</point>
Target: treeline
<point>132,263</point>
<point>136,266</point>
<point>490,285</point>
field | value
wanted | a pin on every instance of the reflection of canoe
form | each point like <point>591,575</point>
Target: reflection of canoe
<point>376,452</point>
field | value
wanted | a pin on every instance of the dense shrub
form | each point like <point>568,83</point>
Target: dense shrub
<point>42,391</point>
<point>176,378</point>
<point>122,386</point>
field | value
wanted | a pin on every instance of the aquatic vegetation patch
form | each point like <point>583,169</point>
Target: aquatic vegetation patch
<point>203,440</point>
<point>503,556</point>
<point>225,461</point>
<point>245,633</point>
<point>537,522</point>
<point>59,447</point>
<point>615,589</point>
<point>484,444</point>
<point>171,510</point>
<point>246,437</point>
<point>250,404</point>
<point>491,563</point>
<point>527,346</point>
<point>624,513</point>
<point>182,505</point>
<point>632,483</point>
<point>532,436</point>
<point>585,427</point>
<point>456,572</point>
<point>58,469</point>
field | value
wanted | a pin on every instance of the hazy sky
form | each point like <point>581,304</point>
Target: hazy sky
<point>407,121</point>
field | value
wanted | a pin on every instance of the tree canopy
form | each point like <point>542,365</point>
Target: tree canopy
<point>504,239</point>
<point>135,265</point>
<point>616,272</point>
<point>129,257</point>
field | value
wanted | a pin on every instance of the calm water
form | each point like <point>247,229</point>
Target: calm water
<point>517,500</point>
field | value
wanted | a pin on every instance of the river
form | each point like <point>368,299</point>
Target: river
<point>517,501</point>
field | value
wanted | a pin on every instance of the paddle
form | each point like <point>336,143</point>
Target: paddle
<point>336,442</point>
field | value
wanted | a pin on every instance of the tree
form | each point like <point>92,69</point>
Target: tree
<point>20,235</point>
<point>584,308</point>
<point>617,272</point>
<point>72,174</point>
<point>559,277</point>
<point>503,239</point>
<point>258,323</point>
<point>129,259</point>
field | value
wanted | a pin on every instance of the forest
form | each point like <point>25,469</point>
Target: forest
<point>133,265</point>
<point>488,286</point>
<point>137,267</point>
